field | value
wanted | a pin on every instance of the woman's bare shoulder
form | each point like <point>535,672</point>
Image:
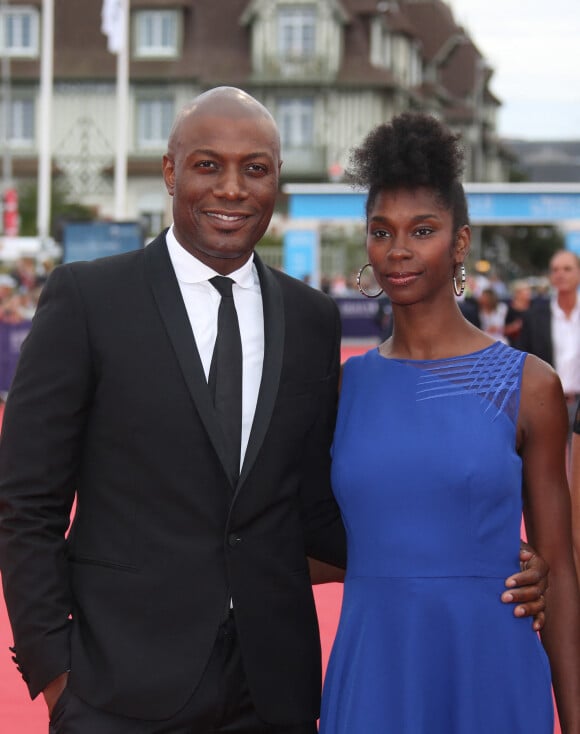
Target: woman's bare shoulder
<point>540,379</point>
<point>542,403</point>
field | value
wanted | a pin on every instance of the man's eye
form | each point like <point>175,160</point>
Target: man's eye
<point>257,168</point>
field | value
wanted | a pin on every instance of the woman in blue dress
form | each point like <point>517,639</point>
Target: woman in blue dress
<point>443,437</point>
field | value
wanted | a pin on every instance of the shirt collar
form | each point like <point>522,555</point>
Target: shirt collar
<point>189,269</point>
<point>559,312</point>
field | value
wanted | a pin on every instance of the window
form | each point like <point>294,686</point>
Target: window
<point>296,122</point>
<point>297,31</point>
<point>387,51</point>
<point>156,33</point>
<point>151,207</point>
<point>20,123</point>
<point>154,121</point>
<point>19,31</point>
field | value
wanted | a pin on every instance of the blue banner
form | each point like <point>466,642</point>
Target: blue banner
<point>506,204</point>
<point>90,240</point>
<point>300,255</point>
<point>572,240</point>
<point>359,317</point>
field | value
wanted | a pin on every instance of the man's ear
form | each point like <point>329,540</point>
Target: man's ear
<point>169,174</point>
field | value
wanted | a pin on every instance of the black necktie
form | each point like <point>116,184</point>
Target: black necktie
<point>225,374</point>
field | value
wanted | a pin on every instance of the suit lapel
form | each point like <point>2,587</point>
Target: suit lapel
<point>274,333</point>
<point>174,316</point>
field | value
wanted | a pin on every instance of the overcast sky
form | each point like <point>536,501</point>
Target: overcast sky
<point>534,48</point>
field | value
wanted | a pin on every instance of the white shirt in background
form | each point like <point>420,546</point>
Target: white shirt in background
<point>566,346</point>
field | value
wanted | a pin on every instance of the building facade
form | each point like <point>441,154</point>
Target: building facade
<point>329,70</point>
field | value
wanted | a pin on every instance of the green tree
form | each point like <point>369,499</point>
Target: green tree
<point>532,247</point>
<point>61,209</point>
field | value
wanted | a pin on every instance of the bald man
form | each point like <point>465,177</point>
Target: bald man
<point>180,601</point>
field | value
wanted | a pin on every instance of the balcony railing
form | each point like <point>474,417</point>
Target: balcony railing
<point>292,68</point>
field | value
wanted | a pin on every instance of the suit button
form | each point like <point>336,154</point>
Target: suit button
<point>233,540</point>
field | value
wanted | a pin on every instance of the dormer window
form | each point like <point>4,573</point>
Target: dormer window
<point>297,30</point>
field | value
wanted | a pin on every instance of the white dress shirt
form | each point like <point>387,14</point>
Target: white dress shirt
<point>566,346</point>
<point>202,303</point>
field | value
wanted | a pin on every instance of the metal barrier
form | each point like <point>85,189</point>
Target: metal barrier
<point>358,316</point>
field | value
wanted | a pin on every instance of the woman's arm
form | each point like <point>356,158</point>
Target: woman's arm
<point>542,432</point>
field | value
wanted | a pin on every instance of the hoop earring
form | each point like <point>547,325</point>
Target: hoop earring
<point>361,289</point>
<point>461,290</point>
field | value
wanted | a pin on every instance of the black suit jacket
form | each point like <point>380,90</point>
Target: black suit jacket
<point>110,405</point>
<point>536,334</point>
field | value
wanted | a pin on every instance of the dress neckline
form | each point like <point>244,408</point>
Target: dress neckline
<point>454,358</point>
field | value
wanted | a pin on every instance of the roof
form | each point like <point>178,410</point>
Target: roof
<point>433,23</point>
<point>217,48</point>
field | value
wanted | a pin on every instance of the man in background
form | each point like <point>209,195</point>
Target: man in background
<point>551,328</point>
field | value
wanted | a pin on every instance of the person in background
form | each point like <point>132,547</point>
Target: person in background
<point>444,436</point>
<point>492,314</point>
<point>7,293</point>
<point>551,328</point>
<point>521,298</point>
<point>469,307</point>
<point>180,600</point>
<point>25,274</point>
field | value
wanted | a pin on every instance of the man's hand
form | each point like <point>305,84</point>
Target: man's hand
<point>527,588</point>
<point>53,691</point>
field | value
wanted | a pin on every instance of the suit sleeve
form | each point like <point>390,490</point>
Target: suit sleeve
<point>321,519</point>
<point>40,453</point>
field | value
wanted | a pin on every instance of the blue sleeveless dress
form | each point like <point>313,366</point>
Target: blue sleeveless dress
<point>429,484</point>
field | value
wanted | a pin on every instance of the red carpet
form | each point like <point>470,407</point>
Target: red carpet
<point>18,715</point>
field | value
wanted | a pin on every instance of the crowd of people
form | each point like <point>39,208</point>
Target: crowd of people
<point>20,287</point>
<point>180,598</point>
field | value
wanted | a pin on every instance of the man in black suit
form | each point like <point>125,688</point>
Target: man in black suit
<point>181,600</point>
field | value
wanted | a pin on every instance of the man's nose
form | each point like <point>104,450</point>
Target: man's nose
<point>230,185</point>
